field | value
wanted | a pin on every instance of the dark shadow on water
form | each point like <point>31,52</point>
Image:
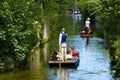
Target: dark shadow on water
<point>65,66</point>
<point>87,43</point>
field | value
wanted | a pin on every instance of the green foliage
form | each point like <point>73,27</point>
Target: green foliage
<point>55,13</point>
<point>116,56</point>
<point>117,47</point>
<point>109,14</point>
<point>20,25</point>
<point>17,29</point>
<point>1,65</point>
<point>89,8</point>
<point>65,5</point>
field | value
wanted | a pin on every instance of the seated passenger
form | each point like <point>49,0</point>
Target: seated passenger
<point>55,56</point>
<point>74,52</point>
<point>68,56</point>
<point>82,31</point>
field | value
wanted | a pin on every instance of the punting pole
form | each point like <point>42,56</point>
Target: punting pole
<point>59,63</point>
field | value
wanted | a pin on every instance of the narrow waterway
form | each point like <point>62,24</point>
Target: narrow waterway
<point>94,61</point>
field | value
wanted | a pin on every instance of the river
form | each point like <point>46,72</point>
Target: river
<point>94,61</point>
<point>94,64</point>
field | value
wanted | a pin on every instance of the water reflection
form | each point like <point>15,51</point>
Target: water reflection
<point>46,51</point>
<point>37,71</point>
<point>94,61</point>
<point>60,74</point>
<point>34,60</point>
<point>94,64</point>
<point>88,43</point>
<point>63,74</point>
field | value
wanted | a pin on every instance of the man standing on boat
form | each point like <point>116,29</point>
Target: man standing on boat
<point>87,26</point>
<point>62,44</point>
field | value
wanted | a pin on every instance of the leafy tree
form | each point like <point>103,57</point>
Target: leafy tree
<point>17,29</point>
<point>55,13</point>
<point>21,25</point>
<point>109,13</point>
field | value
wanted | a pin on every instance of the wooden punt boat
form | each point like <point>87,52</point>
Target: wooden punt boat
<point>67,63</point>
<point>86,36</point>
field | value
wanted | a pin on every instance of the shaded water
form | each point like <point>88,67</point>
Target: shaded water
<point>94,61</point>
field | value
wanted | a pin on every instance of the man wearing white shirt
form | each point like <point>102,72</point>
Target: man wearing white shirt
<point>87,25</point>
<point>62,44</point>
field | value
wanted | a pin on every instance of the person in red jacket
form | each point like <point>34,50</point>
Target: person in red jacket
<point>74,52</point>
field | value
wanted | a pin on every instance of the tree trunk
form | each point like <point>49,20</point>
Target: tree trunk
<point>46,31</point>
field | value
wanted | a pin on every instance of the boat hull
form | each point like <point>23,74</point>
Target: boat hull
<point>67,63</point>
<point>86,36</point>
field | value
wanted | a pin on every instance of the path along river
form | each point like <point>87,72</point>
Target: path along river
<point>94,64</point>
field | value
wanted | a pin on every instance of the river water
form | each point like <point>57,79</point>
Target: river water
<point>94,64</point>
<point>94,61</point>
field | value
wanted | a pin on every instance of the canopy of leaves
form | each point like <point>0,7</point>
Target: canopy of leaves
<point>109,14</point>
<point>20,20</point>
<point>17,29</point>
<point>55,13</point>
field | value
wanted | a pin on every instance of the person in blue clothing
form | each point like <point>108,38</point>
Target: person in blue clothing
<point>63,44</point>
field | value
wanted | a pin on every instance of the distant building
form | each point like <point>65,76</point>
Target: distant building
<point>74,13</point>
